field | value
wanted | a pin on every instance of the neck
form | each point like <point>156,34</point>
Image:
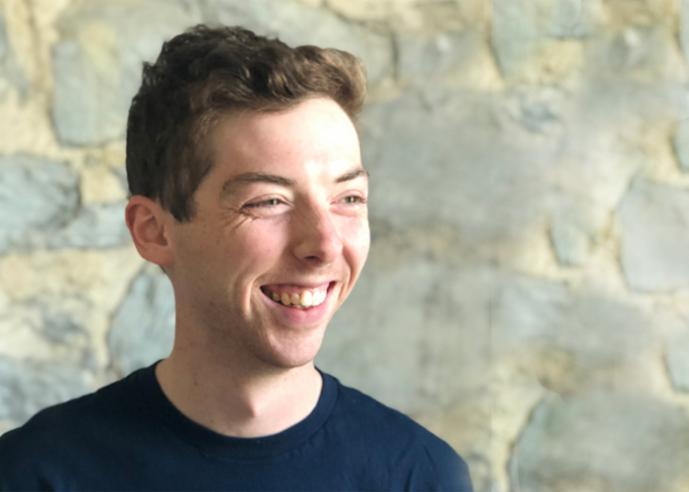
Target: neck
<point>238,401</point>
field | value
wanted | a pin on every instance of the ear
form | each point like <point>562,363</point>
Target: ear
<point>148,225</point>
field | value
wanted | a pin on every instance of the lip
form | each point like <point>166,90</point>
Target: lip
<point>301,317</point>
<point>300,285</point>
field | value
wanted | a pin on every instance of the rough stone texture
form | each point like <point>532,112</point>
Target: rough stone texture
<point>41,200</point>
<point>684,28</point>
<point>101,184</point>
<point>4,48</point>
<point>11,74</point>
<point>96,74</point>
<point>572,339</point>
<point>36,195</point>
<point>143,327</point>
<point>407,146</point>
<point>94,226</point>
<point>461,59</point>
<point>655,238</point>
<point>601,442</point>
<point>643,54</point>
<point>62,301</point>
<point>572,18</point>
<point>433,328</point>
<point>298,23</point>
<point>677,360</point>
<point>51,320</point>
<point>681,144</point>
<point>27,386</point>
<point>524,30</point>
<point>571,243</point>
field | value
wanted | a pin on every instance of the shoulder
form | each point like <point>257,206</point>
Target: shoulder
<point>423,460</point>
<point>29,452</point>
<point>365,412</point>
<point>42,428</point>
<point>70,416</point>
<point>56,438</point>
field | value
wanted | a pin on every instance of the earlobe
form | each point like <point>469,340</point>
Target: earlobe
<point>146,222</point>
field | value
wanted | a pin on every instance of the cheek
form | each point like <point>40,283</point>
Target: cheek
<point>262,242</point>
<point>357,242</point>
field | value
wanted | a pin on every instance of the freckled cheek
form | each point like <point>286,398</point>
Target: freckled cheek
<point>261,245</point>
<point>357,239</point>
<point>250,256</point>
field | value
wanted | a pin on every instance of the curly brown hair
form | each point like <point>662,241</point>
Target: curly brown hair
<point>205,73</point>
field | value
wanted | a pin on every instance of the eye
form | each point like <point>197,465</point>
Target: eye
<point>267,203</point>
<point>353,200</point>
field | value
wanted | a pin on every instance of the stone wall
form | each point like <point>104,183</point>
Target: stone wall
<point>527,293</point>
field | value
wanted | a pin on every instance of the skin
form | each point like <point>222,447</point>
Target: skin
<point>283,205</point>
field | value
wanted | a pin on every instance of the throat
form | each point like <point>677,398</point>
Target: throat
<point>242,406</point>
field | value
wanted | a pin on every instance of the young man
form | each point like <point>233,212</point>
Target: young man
<point>249,192</point>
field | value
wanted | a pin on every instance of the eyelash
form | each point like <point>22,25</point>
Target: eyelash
<point>268,203</point>
<point>274,202</point>
<point>358,200</point>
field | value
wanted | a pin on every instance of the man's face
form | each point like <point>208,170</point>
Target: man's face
<point>279,236</point>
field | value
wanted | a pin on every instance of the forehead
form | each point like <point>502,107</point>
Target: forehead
<point>313,132</point>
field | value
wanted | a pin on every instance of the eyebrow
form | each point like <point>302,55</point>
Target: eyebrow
<point>356,173</point>
<point>247,178</point>
<point>252,177</point>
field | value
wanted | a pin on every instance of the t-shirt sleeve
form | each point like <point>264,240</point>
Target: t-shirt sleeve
<point>445,470</point>
<point>16,473</point>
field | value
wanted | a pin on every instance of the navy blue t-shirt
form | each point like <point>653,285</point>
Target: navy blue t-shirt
<point>128,436</point>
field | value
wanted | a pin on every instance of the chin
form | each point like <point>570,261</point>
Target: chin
<point>288,361</point>
<point>290,354</point>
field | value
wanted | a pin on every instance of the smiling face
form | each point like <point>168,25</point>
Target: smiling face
<point>279,236</point>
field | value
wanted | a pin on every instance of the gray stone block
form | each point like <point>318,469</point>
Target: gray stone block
<point>142,329</point>
<point>677,360</point>
<point>569,340</point>
<point>641,53</point>
<point>571,18</point>
<point>36,194</point>
<point>684,28</point>
<point>40,201</point>
<point>446,329</point>
<point>61,327</point>
<point>4,48</point>
<point>297,24</point>
<point>444,159</point>
<point>94,226</point>
<point>50,318</point>
<point>537,110</point>
<point>11,73</point>
<point>680,143</point>
<point>97,63</point>
<point>427,322</point>
<point>655,238</point>
<point>574,224</point>
<point>515,33</point>
<point>571,243</point>
<point>600,442</point>
<point>430,57</point>
<point>27,386</point>
<point>520,28</point>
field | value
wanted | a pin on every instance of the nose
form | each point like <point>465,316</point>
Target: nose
<point>316,238</point>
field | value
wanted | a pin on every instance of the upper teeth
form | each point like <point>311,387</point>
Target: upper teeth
<point>305,298</point>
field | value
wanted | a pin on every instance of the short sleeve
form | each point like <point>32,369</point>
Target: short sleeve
<point>16,473</point>
<point>448,472</point>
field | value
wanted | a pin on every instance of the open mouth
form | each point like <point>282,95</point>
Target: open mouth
<point>297,297</point>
